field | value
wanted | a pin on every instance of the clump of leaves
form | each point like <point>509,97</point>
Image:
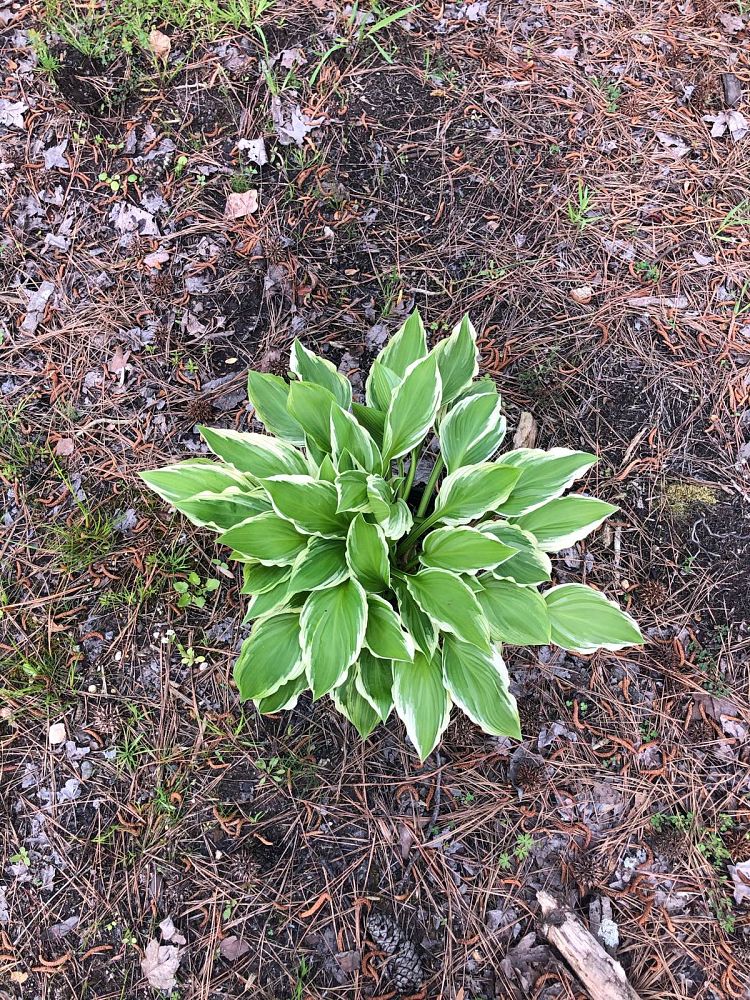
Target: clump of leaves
<point>372,590</point>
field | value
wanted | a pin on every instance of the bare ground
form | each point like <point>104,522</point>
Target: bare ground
<point>451,180</point>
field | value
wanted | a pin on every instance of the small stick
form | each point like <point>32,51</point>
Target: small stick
<point>602,976</point>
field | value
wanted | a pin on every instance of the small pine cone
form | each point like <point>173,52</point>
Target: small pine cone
<point>162,284</point>
<point>529,712</point>
<point>241,868</point>
<point>700,730</point>
<point>385,932</point>
<point>670,655</point>
<point>106,720</point>
<point>738,845</point>
<point>621,19</point>
<point>462,732</point>
<point>274,248</point>
<point>588,869</point>
<point>670,843</point>
<point>527,772</point>
<point>700,93</point>
<point>200,410</point>
<point>653,594</point>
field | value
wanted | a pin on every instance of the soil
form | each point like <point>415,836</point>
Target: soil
<point>446,179</point>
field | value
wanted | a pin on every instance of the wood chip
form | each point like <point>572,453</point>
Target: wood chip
<point>525,436</point>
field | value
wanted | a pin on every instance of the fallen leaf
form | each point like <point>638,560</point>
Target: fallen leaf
<point>290,123</point>
<point>289,58</point>
<point>239,205</point>
<point>582,295</point>
<point>525,436</point>
<point>19,977</point>
<point>56,734</point>
<point>674,147</point>
<point>131,219</point>
<point>117,362</point>
<point>665,301</point>
<point>254,150</point>
<point>405,839</point>
<point>65,446</point>
<point>156,259</point>
<point>567,54</point>
<point>160,44</point>
<point>53,157</point>
<point>12,112</point>
<point>159,965</point>
<point>741,878</point>
<point>233,947</point>
<point>731,23</point>
<point>731,121</point>
<point>169,932</point>
<point>702,259</point>
<point>349,961</point>
<point>58,931</point>
<point>37,303</point>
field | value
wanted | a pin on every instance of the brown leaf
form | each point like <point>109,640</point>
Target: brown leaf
<point>240,205</point>
<point>525,436</point>
<point>65,446</point>
<point>582,295</point>
<point>233,948</point>
<point>18,977</point>
<point>159,965</point>
<point>160,44</point>
<point>117,362</point>
<point>349,961</point>
<point>405,838</point>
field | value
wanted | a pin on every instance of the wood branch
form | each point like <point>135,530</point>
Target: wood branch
<point>602,976</point>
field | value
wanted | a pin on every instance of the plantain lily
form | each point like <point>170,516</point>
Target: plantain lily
<point>371,588</point>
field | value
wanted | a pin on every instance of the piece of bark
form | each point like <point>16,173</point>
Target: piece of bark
<point>525,436</point>
<point>602,977</point>
<point>732,89</point>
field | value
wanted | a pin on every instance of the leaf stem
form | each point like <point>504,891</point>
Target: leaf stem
<point>414,459</point>
<point>429,488</point>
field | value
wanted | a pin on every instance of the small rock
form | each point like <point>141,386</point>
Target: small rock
<point>582,295</point>
<point>56,734</point>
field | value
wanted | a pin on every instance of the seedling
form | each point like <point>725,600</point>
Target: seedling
<point>647,270</point>
<point>578,210</point>
<point>194,591</point>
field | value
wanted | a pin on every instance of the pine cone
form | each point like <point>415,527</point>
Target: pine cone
<point>526,771</point>
<point>200,410</point>
<point>274,248</point>
<point>670,843</point>
<point>529,712</point>
<point>462,732</point>
<point>106,719</point>
<point>653,594</point>
<point>402,953</point>
<point>241,868</point>
<point>588,869</point>
<point>162,284</point>
<point>738,845</point>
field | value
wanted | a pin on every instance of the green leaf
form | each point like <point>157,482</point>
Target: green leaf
<point>529,564</point>
<point>561,523</point>
<point>470,492</point>
<point>183,480</point>
<point>380,385</point>
<point>221,511</point>
<point>478,683</point>
<point>583,620</point>
<point>472,431</point>
<point>352,704</point>
<point>385,636</point>
<point>398,521</point>
<point>367,554</point>
<point>380,496</point>
<point>270,656</point>
<point>421,701</point>
<point>412,410</point>
<point>406,346</point>
<point>268,538</point>
<point>516,614</point>
<point>285,698</point>
<point>419,625</point>
<point>372,420</point>
<point>544,476</point>
<point>258,455</point>
<point>310,504</point>
<point>270,601</point>
<point>333,628</point>
<point>463,550</point>
<point>310,367</point>
<point>311,405</point>
<point>326,471</point>
<point>458,360</point>
<point>348,435</point>
<point>321,565</point>
<point>351,489</point>
<point>374,681</point>
<point>268,395</point>
<point>258,579</point>
<point>451,605</point>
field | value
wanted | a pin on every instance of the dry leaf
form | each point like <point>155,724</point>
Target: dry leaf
<point>732,121</point>
<point>233,947</point>
<point>662,301</point>
<point>582,295</point>
<point>156,259</point>
<point>240,205</point>
<point>525,436</point>
<point>741,878</point>
<point>65,446</point>
<point>19,977</point>
<point>349,961</point>
<point>160,44</point>
<point>674,147</point>
<point>117,362</point>
<point>56,734</point>
<point>169,932</point>
<point>731,23</point>
<point>254,150</point>
<point>159,965</point>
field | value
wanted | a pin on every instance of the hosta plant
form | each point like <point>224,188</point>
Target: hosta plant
<point>366,583</point>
